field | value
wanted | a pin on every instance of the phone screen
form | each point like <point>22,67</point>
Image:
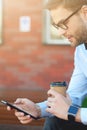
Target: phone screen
<point>18,109</point>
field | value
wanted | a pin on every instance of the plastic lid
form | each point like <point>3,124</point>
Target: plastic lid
<point>58,83</point>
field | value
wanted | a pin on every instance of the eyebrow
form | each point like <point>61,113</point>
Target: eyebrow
<point>64,20</point>
<point>73,13</point>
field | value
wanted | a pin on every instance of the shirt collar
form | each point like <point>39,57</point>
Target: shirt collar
<point>85,46</point>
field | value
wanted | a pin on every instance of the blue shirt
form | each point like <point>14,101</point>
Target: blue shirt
<point>77,88</point>
<point>78,84</point>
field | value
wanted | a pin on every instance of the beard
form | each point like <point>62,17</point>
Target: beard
<point>80,36</point>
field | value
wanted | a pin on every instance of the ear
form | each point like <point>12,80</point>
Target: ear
<point>84,11</point>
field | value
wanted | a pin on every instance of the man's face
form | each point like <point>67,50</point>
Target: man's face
<point>74,29</point>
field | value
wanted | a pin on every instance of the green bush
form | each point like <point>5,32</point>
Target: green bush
<point>84,103</point>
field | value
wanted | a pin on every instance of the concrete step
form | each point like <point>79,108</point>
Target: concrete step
<point>19,127</point>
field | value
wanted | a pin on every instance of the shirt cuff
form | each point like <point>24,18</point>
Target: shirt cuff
<point>43,107</point>
<point>84,116</point>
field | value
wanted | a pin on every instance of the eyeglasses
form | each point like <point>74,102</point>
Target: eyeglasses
<point>62,23</point>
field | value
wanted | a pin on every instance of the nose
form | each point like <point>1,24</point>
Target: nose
<point>61,32</point>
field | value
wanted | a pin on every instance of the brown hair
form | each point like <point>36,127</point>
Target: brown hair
<point>69,4</point>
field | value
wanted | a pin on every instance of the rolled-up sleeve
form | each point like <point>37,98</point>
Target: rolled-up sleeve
<point>84,116</point>
<point>43,107</point>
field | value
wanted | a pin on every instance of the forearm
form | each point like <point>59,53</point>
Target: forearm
<point>82,116</point>
<point>78,116</point>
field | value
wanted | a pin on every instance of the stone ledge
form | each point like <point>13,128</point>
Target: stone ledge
<point>19,127</point>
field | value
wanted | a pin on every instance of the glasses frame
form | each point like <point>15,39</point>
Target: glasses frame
<point>62,24</point>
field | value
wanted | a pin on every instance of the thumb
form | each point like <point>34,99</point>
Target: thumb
<point>52,92</point>
<point>18,101</point>
<point>49,110</point>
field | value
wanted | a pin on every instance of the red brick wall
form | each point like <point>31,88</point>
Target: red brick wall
<point>25,62</point>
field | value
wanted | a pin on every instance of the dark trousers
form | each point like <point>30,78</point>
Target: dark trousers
<point>54,123</point>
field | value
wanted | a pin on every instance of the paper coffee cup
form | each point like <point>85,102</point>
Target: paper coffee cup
<point>60,87</point>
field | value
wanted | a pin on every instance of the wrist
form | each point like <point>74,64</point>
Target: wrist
<point>73,112</point>
<point>38,109</point>
<point>78,118</point>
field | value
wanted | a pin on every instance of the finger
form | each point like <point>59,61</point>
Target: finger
<point>18,101</point>
<point>52,92</point>
<point>9,108</point>
<point>25,121</point>
<point>19,114</point>
<point>50,99</point>
<point>49,109</point>
<point>24,118</point>
<point>49,104</point>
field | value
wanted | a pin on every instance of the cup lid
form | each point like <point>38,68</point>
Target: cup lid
<point>58,83</point>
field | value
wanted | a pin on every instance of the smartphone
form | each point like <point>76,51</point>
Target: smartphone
<point>18,109</point>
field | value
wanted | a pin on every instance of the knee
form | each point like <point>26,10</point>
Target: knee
<point>51,121</point>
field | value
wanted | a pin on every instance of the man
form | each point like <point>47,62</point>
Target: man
<point>63,113</point>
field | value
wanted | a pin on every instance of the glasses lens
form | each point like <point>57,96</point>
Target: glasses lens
<point>61,25</point>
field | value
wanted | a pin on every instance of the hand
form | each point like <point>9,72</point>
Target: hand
<point>29,107</point>
<point>58,105</point>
